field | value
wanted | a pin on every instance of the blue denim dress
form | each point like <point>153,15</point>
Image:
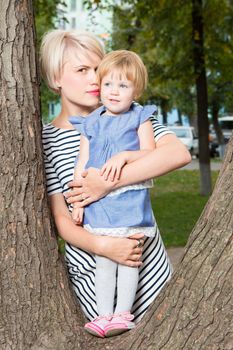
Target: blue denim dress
<point>127,211</point>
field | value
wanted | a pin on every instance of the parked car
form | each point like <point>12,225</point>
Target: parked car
<point>226,124</point>
<point>188,136</point>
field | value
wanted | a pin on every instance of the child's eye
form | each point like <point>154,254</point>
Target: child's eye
<point>106,84</point>
<point>123,86</point>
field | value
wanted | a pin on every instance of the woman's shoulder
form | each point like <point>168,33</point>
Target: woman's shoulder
<point>52,130</point>
<point>52,135</point>
<point>48,130</point>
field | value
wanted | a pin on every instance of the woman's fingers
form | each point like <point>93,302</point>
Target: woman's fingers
<point>137,236</point>
<point>75,192</point>
<point>137,251</point>
<point>85,202</point>
<point>131,263</point>
<point>74,199</point>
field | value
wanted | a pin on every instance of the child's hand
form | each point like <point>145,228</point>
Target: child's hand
<point>112,168</point>
<point>77,215</point>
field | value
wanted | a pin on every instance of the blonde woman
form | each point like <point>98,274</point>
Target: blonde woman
<point>69,62</point>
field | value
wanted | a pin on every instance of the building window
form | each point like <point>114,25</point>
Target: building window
<point>73,22</point>
<point>62,23</point>
<point>73,5</point>
<point>52,109</point>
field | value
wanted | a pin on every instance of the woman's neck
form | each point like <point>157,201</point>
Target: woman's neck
<point>62,121</point>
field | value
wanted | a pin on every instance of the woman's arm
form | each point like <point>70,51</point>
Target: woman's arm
<point>169,154</point>
<point>121,250</point>
<point>77,212</point>
<point>82,157</point>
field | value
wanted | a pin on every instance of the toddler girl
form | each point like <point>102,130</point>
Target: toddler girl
<point>117,133</point>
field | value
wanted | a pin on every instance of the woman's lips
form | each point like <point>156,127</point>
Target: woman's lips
<point>94,92</point>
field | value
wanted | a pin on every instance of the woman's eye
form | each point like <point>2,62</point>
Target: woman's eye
<point>82,70</point>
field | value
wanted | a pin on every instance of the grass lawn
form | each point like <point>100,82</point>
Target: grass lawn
<point>177,204</point>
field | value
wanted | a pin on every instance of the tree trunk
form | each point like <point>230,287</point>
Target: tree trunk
<point>164,114</point>
<point>35,294</point>
<point>202,99</point>
<point>180,122</point>
<point>217,128</point>
<point>38,310</point>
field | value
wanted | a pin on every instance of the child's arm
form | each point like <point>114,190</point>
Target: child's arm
<point>112,168</point>
<point>77,212</point>
<point>147,142</point>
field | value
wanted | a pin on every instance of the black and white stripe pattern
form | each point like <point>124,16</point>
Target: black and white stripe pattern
<point>60,150</point>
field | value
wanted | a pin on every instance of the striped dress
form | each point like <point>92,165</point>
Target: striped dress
<point>60,150</point>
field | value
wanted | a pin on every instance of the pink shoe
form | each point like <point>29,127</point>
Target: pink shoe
<point>120,323</point>
<point>97,326</point>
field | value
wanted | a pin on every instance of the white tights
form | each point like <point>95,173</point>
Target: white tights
<point>109,275</point>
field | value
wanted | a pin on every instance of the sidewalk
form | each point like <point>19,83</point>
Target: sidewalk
<point>194,165</point>
<point>175,255</point>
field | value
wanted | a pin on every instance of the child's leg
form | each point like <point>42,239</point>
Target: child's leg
<point>105,285</point>
<point>127,283</point>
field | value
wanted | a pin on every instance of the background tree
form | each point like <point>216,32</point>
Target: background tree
<point>202,94</point>
<point>46,18</point>
<point>164,40</point>
<point>38,309</point>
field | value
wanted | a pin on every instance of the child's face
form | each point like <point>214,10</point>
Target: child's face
<point>117,93</point>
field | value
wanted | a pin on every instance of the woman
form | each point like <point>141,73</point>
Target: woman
<point>69,62</point>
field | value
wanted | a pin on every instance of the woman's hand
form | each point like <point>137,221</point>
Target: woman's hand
<point>125,251</point>
<point>89,189</point>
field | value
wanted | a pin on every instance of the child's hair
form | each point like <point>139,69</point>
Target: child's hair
<point>129,65</point>
<point>56,43</point>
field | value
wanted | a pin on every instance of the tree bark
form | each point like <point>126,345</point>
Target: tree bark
<point>38,309</point>
<point>202,98</point>
<point>34,287</point>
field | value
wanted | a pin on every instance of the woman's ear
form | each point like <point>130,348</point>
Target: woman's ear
<point>58,83</point>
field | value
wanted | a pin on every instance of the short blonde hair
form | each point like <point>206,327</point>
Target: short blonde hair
<point>54,46</point>
<point>128,64</point>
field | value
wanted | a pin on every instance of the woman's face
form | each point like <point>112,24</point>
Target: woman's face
<point>78,86</point>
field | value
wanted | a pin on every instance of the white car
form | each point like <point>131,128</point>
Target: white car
<point>226,124</point>
<point>188,136</point>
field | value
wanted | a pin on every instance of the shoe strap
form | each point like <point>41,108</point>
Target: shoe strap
<point>125,315</point>
<point>107,318</point>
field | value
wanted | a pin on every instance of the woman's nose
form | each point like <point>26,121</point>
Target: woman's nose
<point>93,77</point>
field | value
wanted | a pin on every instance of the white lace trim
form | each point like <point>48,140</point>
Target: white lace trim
<point>140,186</point>
<point>122,231</point>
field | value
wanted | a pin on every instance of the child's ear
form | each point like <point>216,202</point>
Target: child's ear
<point>136,95</point>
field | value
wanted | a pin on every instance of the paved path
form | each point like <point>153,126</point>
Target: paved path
<point>175,255</point>
<point>194,165</point>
